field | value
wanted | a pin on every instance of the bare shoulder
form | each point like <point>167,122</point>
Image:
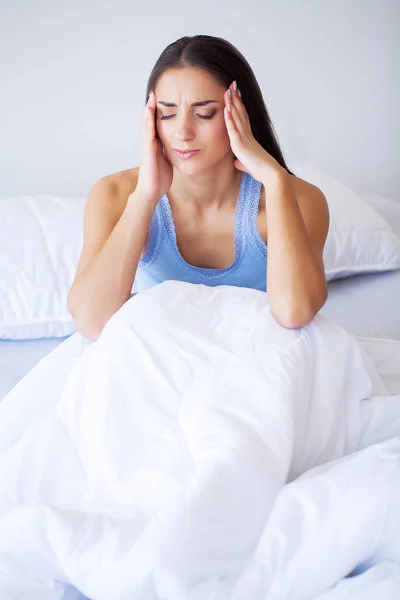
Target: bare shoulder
<point>109,195</point>
<point>313,205</point>
<point>127,177</point>
<point>103,208</point>
<point>311,199</point>
<point>315,211</point>
<point>306,192</point>
<point>123,183</point>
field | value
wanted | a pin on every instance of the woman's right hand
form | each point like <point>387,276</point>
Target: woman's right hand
<point>155,172</point>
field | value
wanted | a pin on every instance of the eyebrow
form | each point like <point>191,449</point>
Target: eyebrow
<point>202,103</point>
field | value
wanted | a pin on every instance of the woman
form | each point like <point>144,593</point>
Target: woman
<point>205,214</point>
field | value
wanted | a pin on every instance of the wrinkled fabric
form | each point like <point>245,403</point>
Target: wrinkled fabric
<point>198,449</point>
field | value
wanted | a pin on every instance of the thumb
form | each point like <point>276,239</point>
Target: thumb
<point>240,166</point>
<point>164,154</point>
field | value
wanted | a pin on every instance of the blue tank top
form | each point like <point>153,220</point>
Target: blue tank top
<point>163,261</point>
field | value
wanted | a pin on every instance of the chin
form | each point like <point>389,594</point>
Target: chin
<point>190,167</point>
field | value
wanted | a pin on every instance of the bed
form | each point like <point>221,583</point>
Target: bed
<point>366,305</point>
<point>117,433</point>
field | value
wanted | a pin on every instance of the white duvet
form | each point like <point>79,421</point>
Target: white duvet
<point>199,450</point>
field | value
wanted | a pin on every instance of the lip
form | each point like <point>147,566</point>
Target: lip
<point>185,153</point>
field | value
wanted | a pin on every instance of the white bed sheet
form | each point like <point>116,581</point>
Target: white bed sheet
<point>18,357</point>
<point>366,305</point>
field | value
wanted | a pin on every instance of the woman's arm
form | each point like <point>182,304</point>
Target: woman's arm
<point>112,246</point>
<point>297,227</point>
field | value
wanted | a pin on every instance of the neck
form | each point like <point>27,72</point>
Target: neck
<point>212,189</point>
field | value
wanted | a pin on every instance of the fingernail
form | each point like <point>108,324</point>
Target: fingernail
<point>239,93</point>
<point>229,93</point>
<point>235,86</point>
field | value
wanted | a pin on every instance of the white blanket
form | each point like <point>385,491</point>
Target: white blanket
<point>199,450</point>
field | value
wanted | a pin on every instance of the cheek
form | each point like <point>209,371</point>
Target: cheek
<point>217,130</point>
<point>220,133</point>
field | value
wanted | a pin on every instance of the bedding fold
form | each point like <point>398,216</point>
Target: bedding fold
<point>196,450</point>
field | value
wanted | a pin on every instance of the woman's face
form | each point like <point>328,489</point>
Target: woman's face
<point>185,126</point>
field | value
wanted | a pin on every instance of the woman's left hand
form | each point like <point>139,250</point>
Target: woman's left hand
<point>250,155</point>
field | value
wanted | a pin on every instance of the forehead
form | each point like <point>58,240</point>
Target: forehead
<point>189,83</point>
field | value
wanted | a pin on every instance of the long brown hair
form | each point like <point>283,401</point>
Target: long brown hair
<point>224,62</point>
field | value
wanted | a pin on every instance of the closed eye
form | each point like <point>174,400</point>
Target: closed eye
<point>163,117</point>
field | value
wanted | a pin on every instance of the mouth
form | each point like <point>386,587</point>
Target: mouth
<point>185,153</point>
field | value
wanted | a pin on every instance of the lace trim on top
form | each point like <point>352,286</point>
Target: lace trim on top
<point>153,241</point>
<point>238,232</point>
<point>252,217</point>
<point>250,190</point>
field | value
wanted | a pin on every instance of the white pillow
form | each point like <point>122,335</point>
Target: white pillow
<point>40,242</point>
<point>41,239</point>
<point>388,208</point>
<point>359,239</point>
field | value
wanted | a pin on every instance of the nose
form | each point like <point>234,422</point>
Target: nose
<point>184,127</point>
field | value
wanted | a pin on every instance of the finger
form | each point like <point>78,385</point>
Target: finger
<point>145,118</point>
<point>233,132</point>
<point>238,109</point>
<point>154,111</point>
<point>152,108</point>
<point>166,156</point>
<point>145,112</point>
<point>150,117</point>
<point>234,116</point>
<point>237,97</point>
<point>229,118</point>
<point>155,115</point>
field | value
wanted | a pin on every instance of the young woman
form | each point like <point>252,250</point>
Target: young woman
<point>212,193</point>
